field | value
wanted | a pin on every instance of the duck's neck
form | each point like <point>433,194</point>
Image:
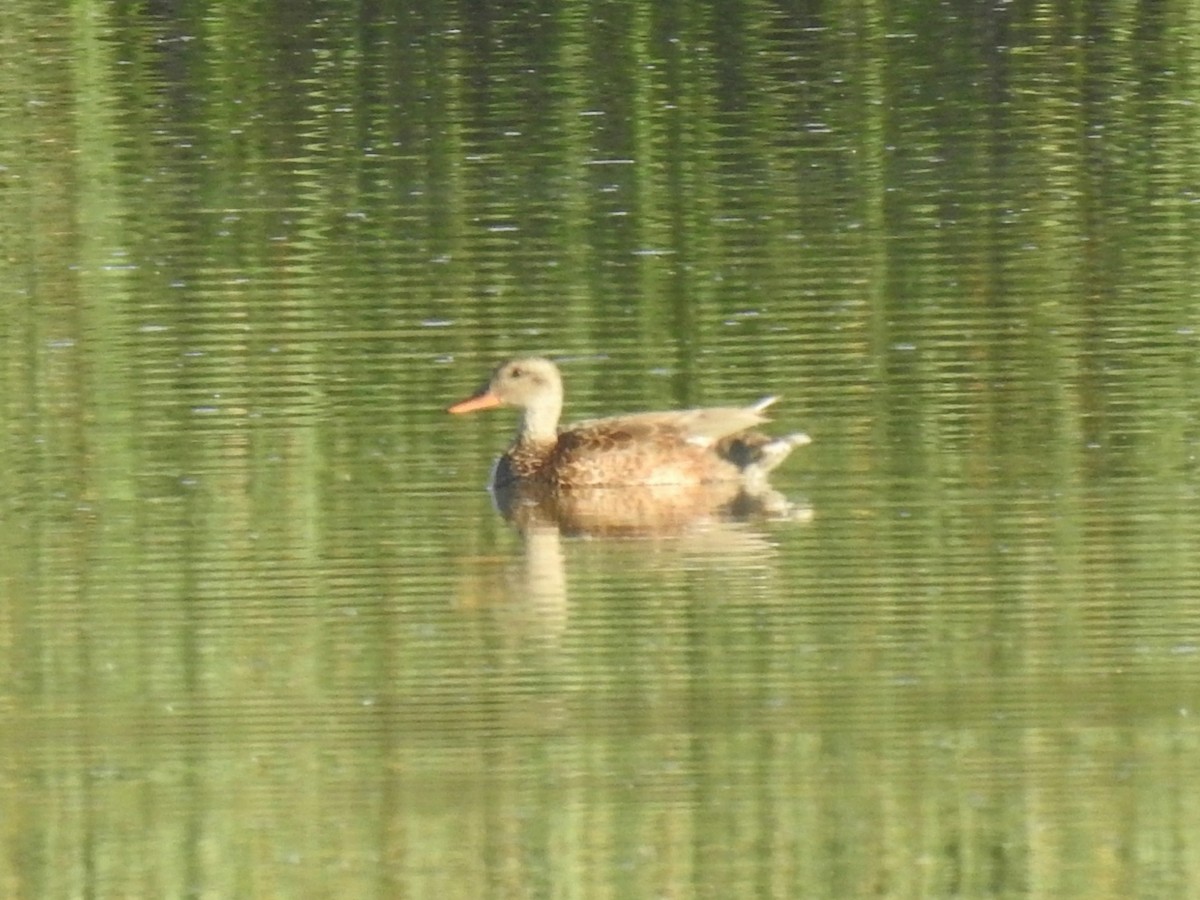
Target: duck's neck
<point>539,423</point>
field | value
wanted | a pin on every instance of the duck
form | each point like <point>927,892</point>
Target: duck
<point>689,447</point>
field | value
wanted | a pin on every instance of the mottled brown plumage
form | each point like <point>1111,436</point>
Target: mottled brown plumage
<point>685,447</point>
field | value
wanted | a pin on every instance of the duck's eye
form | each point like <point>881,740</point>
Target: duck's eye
<point>516,372</point>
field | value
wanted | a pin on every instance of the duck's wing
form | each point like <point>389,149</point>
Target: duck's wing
<point>702,427</point>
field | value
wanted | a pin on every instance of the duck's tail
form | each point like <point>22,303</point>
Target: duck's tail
<point>756,454</point>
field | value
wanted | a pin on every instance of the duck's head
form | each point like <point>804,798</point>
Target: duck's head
<point>532,385</point>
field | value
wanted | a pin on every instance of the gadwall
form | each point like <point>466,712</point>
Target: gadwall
<point>684,447</point>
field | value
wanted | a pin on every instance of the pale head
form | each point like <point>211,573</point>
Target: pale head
<point>533,386</point>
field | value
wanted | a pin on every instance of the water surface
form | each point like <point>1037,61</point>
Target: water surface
<point>264,633</point>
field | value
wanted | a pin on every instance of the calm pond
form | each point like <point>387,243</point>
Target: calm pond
<point>264,632</point>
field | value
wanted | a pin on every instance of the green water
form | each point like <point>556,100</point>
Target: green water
<point>262,633</point>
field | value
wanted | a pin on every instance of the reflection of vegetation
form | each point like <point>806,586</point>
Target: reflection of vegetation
<point>238,238</point>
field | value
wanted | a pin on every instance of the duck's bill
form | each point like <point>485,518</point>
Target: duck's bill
<point>483,400</point>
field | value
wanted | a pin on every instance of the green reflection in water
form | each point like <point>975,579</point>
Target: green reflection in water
<point>263,633</point>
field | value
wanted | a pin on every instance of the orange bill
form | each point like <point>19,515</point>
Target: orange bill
<point>483,400</point>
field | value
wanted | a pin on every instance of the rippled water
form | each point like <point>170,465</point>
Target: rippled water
<point>265,633</point>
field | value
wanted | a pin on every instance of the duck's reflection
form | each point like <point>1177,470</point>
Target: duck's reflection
<point>642,511</point>
<point>719,524</point>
